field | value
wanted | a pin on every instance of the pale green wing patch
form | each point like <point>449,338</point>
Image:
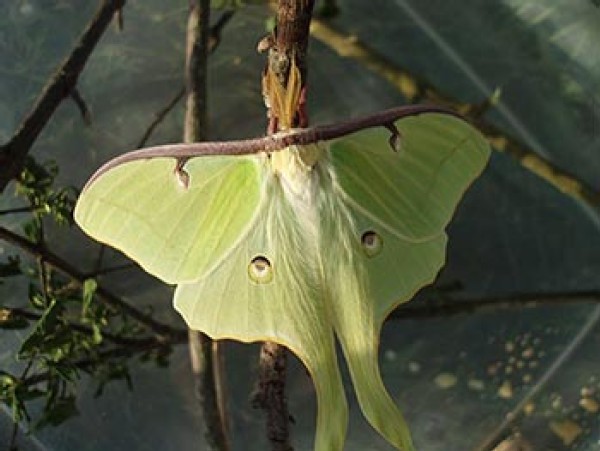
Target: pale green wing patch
<point>385,239</point>
<point>267,290</point>
<point>414,190</point>
<point>173,232</point>
<point>351,275</point>
<point>386,275</point>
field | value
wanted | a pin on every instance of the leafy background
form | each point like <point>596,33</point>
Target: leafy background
<point>513,233</point>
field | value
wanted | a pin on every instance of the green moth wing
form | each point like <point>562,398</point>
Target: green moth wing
<point>369,274</point>
<point>302,243</point>
<point>268,289</point>
<point>174,232</point>
<point>398,202</point>
<point>415,189</point>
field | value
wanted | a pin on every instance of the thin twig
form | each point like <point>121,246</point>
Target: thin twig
<point>417,88</point>
<point>270,143</point>
<point>81,106</point>
<point>408,311</point>
<point>16,312</point>
<point>287,49</point>
<point>203,354</point>
<point>461,307</point>
<point>15,429</point>
<point>109,269</point>
<point>214,39</point>
<point>120,21</point>
<point>61,84</point>
<point>13,437</point>
<point>117,352</point>
<point>11,211</point>
<point>270,395</point>
<point>70,271</point>
<point>159,116</point>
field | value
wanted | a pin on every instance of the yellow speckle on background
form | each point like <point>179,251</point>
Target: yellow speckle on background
<point>505,390</point>
<point>527,353</point>
<point>476,384</point>
<point>445,380</point>
<point>509,346</point>
<point>529,408</point>
<point>492,369</point>
<point>589,404</point>
<point>557,403</point>
<point>566,430</point>
<point>587,391</point>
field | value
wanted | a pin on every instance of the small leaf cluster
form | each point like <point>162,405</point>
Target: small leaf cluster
<point>68,330</point>
<point>36,185</point>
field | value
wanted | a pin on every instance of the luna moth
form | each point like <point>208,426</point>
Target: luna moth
<point>299,238</point>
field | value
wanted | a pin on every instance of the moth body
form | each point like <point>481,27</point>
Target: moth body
<point>299,246</point>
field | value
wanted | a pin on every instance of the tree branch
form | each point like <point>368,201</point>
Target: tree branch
<point>10,313</point>
<point>112,353</point>
<point>11,211</point>
<point>286,48</point>
<point>214,39</point>
<point>72,272</point>
<point>458,307</point>
<point>270,395</point>
<point>159,116</point>
<point>81,106</point>
<point>60,86</point>
<point>204,354</point>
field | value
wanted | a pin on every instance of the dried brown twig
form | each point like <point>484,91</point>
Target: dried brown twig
<point>60,86</point>
<point>204,353</point>
<point>214,39</point>
<point>287,47</point>
<point>51,259</point>
<point>461,306</point>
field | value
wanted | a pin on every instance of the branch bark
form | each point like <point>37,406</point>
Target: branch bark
<point>128,350</point>
<point>287,47</point>
<point>204,353</point>
<point>60,86</point>
<point>79,277</point>
<point>462,307</point>
<point>214,39</point>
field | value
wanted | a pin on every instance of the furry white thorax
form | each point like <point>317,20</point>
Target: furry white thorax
<point>296,169</point>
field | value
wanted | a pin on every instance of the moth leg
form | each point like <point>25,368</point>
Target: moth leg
<point>396,137</point>
<point>182,176</point>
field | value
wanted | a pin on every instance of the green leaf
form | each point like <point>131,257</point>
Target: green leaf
<point>58,412</point>
<point>89,290</point>
<point>33,229</point>
<point>42,333</point>
<point>110,372</point>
